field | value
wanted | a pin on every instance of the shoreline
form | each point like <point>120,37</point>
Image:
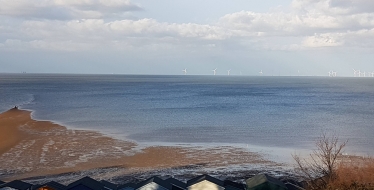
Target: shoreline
<point>273,153</point>
<point>30,148</point>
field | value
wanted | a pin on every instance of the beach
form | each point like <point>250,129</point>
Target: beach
<point>31,148</point>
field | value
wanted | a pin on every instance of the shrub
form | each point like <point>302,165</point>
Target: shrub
<point>319,170</point>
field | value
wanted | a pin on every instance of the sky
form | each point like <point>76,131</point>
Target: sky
<point>277,37</point>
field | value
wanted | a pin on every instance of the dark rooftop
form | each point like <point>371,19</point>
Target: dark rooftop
<point>176,183</point>
<point>52,184</point>
<point>233,185</point>
<point>132,185</point>
<point>108,184</point>
<point>17,184</point>
<point>87,182</point>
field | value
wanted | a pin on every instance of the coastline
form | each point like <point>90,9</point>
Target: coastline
<point>30,148</point>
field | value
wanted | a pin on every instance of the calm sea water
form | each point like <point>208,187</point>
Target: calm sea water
<point>287,112</point>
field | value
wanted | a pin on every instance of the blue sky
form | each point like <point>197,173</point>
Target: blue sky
<point>283,37</point>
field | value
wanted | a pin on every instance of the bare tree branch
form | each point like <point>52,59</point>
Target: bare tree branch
<point>320,168</point>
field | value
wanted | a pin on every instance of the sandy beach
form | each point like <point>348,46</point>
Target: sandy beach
<point>31,148</point>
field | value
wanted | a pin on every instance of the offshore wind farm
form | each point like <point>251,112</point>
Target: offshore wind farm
<point>205,86</point>
<point>331,73</point>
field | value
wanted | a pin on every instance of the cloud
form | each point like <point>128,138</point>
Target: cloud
<point>99,28</point>
<point>44,45</point>
<point>353,6</point>
<point>66,25</point>
<point>323,40</point>
<point>89,34</point>
<point>316,23</point>
<point>65,10</point>
<point>281,23</point>
<point>248,23</point>
<point>29,9</point>
<point>103,5</point>
<point>334,7</point>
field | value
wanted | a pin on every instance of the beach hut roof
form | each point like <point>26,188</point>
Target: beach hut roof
<point>230,185</point>
<point>176,183</point>
<point>53,185</point>
<point>17,184</point>
<point>154,179</point>
<point>108,184</point>
<point>264,181</point>
<point>201,178</point>
<point>86,183</point>
<point>129,185</point>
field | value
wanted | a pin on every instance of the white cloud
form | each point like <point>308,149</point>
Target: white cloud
<point>294,24</point>
<point>65,10</point>
<point>323,40</point>
<point>83,24</point>
<point>332,26</point>
<point>270,24</point>
<point>89,28</point>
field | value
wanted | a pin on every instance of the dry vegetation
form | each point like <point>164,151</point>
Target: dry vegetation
<point>353,173</point>
<point>327,169</point>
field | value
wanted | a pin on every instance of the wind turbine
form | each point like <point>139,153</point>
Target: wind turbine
<point>330,73</point>
<point>355,73</point>
<point>214,71</point>
<point>260,72</point>
<point>334,73</point>
<point>185,71</point>
<point>363,73</point>
<point>372,74</point>
<point>228,72</point>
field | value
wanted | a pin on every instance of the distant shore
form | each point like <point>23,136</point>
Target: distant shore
<point>30,148</point>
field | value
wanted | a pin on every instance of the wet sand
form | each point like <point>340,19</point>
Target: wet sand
<point>10,135</point>
<point>31,148</point>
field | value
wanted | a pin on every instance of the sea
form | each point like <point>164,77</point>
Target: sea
<point>270,112</point>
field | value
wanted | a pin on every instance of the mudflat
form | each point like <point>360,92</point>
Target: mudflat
<point>11,134</point>
<point>30,148</point>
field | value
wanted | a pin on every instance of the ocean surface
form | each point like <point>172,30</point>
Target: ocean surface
<point>275,112</point>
